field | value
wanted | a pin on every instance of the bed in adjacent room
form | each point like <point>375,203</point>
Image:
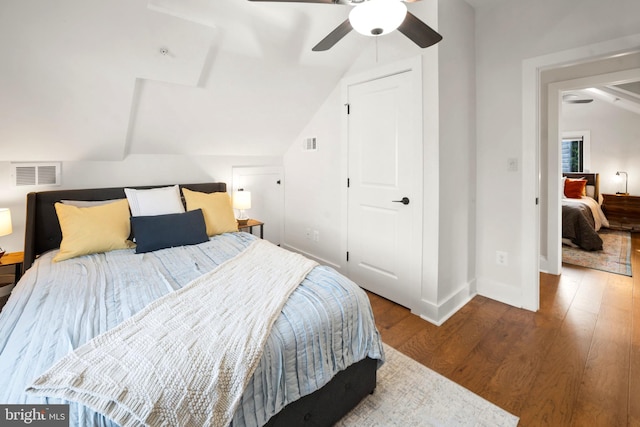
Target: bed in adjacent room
<point>582,215</point>
<point>148,335</point>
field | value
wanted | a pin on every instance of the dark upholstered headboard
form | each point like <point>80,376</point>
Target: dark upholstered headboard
<point>43,229</point>
<point>592,179</point>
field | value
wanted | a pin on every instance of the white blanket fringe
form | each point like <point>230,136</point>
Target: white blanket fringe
<point>185,359</point>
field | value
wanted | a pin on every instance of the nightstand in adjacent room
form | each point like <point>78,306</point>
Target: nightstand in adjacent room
<point>622,211</point>
<point>249,226</point>
<point>10,273</point>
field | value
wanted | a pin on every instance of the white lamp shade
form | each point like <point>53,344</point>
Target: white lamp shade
<point>377,17</point>
<point>5,222</point>
<point>242,200</point>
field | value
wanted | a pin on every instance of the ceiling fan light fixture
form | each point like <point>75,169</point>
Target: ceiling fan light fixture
<point>377,17</point>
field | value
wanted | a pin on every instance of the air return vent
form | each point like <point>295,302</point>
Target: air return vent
<point>28,174</point>
<point>310,144</point>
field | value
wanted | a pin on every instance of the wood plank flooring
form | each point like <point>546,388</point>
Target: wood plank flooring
<point>576,362</point>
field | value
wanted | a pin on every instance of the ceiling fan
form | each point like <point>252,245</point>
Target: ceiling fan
<point>375,18</point>
<point>572,98</point>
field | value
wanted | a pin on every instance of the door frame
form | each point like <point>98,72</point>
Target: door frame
<point>531,139</point>
<point>412,66</point>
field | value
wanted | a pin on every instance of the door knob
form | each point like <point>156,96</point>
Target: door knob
<point>404,201</point>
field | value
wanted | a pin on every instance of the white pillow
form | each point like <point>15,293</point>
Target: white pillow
<point>88,203</point>
<point>154,201</point>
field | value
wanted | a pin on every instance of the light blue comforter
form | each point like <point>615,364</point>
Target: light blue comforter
<point>325,326</point>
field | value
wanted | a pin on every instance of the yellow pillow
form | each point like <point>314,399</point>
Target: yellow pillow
<point>92,230</point>
<point>217,210</point>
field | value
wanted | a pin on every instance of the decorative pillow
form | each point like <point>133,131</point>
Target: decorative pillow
<point>88,203</point>
<point>154,201</point>
<point>93,230</point>
<point>575,188</point>
<point>217,210</point>
<point>167,231</point>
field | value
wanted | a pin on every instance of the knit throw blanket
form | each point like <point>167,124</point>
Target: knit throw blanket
<point>185,359</point>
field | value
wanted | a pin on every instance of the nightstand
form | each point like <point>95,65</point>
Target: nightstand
<point>249,226</point>
<point>8,275</point>
<point>622,211</point>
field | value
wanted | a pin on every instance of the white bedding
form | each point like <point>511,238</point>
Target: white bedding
<point>598,215</point>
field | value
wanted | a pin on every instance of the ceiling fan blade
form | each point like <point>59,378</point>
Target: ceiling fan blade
<point>301,1</point>
<point>419,32</point>
<point>334,37</point>
<point>579,101</point>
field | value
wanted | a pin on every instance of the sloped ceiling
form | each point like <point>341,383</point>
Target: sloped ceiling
<point>69,71</point>
<point>88,79</point>
<point>623,96</point>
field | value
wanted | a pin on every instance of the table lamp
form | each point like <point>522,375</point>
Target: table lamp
<point>242,201</point>
<point>626,182</point>
<point>5,225</point>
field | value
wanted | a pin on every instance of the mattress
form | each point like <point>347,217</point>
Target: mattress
<point>325,326</point>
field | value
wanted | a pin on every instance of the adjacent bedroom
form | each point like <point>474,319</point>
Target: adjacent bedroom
<point>600,158</point>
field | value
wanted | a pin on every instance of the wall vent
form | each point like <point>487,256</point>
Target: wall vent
<point>29,174</point>
<point>310,144</point>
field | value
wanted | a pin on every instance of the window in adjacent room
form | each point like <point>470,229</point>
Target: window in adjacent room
<point>575,152</point>
<point>572,155</point>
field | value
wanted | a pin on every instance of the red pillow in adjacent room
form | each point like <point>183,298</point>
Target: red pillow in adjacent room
<point>575,188</point>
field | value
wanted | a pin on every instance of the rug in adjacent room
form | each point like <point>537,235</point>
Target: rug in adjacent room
<point>615,256</point>
<point>410,394</point>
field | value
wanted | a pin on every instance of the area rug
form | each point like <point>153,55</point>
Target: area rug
<point>615,256</point>
<point>410,394</point>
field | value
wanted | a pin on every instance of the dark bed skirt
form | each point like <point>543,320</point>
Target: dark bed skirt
<point>328,405</point>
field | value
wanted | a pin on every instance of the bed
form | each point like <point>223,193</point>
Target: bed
<point>582,215</point>
<point>319,360</point>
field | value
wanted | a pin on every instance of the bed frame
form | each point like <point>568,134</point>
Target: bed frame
<point>324,407</point>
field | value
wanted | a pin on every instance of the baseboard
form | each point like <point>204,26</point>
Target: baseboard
<point>440,313</point>
<point>501,292</point>
<point>544,264</point>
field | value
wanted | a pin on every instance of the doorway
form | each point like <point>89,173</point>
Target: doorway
<point>554,220</point>
<point>534,164</point>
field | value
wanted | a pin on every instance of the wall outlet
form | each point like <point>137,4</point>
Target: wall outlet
<point>316,236</point>
<point>512,164</point>
<point>502,258</point>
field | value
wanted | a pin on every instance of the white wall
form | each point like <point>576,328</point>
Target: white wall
<point>313,187</point>
<point>449,162</point>
<point>507,36</point>
<point>134,170</point>
<point>457,156</point>
<point>615,141</point>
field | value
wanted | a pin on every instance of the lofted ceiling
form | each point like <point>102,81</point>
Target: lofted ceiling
<point>625,96</point>
<point>87,79</point>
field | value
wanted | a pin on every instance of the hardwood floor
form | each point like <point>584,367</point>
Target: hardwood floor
<point>576,362</point>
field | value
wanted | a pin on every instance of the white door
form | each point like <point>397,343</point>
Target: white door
<point>266,185</point>
<point>385,168</point>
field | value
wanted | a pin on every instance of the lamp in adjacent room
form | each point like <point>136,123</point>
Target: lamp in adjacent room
<point>626,181</point>
<point>5,225</point>
<point>242,201</point>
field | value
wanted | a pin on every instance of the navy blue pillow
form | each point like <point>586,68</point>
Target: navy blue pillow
<point>166,231</point>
